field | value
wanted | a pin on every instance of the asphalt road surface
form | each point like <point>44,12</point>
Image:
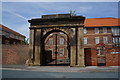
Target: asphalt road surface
<point>39,74</point>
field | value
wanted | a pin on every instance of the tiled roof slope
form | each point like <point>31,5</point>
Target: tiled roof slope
<point>10,30</point>
<point>99,22</point>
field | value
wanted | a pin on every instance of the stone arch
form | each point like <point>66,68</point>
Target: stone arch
<point>47,32</point>
<point>67,31</point>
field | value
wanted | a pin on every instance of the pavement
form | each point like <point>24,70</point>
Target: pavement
<point>62,68</point>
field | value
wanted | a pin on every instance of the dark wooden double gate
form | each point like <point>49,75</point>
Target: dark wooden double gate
<point>53,56</point>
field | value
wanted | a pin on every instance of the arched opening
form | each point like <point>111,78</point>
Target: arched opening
<point>56,49</point>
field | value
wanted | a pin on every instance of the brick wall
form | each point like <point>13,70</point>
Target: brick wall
<point>112,59</point>
<point>14,54</point>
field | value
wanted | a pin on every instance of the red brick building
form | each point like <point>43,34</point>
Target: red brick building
<point>101,43</point>
<point>8,36</point>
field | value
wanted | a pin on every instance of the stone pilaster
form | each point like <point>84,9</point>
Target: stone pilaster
<point>37,47</point>
<point>31,47</point>
<point>72,55</point>
<point>80,46</point>
<point>73,49</point>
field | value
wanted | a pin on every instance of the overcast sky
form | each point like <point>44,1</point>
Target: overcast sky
<point>15,15</point>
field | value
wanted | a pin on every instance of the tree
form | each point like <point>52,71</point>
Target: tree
<point>72,13</point>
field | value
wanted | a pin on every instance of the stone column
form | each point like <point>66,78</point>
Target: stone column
<point>72,56</point>
<point>72,48</point>
<point>37,47</point>
<point>77,48</point>
<point>80,46</point>
<point>31,48</point>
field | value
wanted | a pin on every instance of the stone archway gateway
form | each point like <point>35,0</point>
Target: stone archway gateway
<point>72,26</point>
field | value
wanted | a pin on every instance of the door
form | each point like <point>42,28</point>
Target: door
<point>88,61</point>
<point>56,49</point>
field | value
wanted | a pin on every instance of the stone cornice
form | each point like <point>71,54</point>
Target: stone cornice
<point>59,25</point>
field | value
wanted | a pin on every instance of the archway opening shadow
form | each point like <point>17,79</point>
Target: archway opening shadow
<point>52,49</point>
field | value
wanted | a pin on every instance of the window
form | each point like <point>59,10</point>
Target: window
<point>115,52</point>
<point>115,31</point>
<point>7,35</point>
<point>15,36</point>
<point>61,52</point>
<point>116,41</point>
<point>61,41</point>
<point>105,40</point>
<point>50,41</point>
<point>18,37</point>
<point>104,30</point>
<point>85,40</point>
<point>97,40</point>
<point>85,31</point>
<point>96,30</point>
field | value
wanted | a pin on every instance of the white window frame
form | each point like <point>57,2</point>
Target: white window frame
<point>115,31</point>
<point>50,43</point>
<point>61,41</point>
<point>85,31</point>
<point>105,40</point>
<point>113,40</point>
<point>85,40</point>
<point>104,30</point>
<point>7,35</point>
<point>97,41</point>
<point>62,54</point>
<point>96,30</point>
<point>116,41</point>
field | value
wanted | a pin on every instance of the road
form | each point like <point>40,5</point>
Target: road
<point>39,74</point>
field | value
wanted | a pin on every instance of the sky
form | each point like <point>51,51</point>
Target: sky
<point>15,15</point>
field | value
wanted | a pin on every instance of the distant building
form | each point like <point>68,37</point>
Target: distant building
<point>8,36</point>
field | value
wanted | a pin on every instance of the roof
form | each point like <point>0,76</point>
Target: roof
<point>10,30</point>
<point>99,22</point>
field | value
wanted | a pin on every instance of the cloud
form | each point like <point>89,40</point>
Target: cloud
<point>16,14</point>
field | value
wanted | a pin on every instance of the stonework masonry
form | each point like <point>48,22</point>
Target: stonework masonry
<point>72,26</point>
